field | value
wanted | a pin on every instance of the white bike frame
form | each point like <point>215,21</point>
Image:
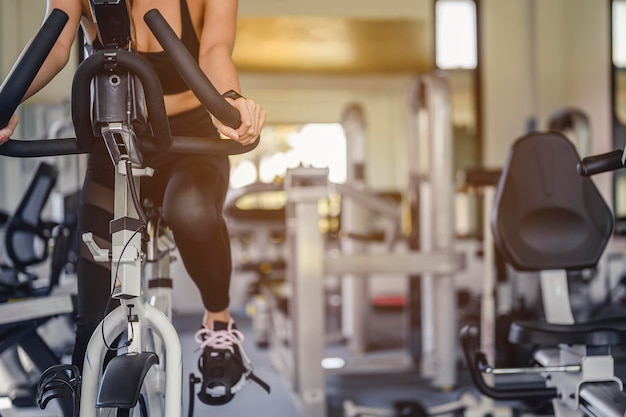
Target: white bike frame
<point>136,315</point>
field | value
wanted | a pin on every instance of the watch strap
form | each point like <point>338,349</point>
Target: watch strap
<point>232,94</point>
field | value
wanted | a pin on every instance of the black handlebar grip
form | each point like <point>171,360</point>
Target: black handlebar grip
<point>189,70</point>
<point>40,147</point>
<point>597,164</point>
<point>26,69</point>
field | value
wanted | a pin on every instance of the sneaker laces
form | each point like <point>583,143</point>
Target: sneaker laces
<point>223,340</point>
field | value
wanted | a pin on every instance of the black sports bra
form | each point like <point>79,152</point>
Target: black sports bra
<point>171,80</point>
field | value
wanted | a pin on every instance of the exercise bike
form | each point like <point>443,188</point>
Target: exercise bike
<point>146,374</point>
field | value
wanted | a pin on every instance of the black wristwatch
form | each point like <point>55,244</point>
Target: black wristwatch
<point>232,94</point>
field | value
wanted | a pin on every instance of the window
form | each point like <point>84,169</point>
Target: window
<point>283,146</point>
<point>455,34</point>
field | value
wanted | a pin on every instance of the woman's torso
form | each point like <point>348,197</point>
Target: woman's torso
<point>144,42</point>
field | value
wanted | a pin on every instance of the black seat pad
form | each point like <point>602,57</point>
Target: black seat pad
<point>546,216</point>
<point>605,332</point>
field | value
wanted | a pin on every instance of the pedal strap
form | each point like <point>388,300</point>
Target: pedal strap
<point>251,376</point>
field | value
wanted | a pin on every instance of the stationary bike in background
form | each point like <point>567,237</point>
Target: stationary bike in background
<point>549,219</point>
<point>27,239</point>
<point>146,374</point>
<point>37,252</point>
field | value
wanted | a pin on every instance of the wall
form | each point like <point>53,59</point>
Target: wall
<point>506,75</point>
<point>539,56</point>
<point>587,76</point>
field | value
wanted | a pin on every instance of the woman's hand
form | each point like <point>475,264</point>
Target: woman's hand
<point>252,121</point>
<point>6,132</point>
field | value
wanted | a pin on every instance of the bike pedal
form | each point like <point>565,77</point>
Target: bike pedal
<point>58,381</point>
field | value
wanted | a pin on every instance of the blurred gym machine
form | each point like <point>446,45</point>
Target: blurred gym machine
<point>498,297</point>
<point>29,300</point>
<point>436,262</point>
<point>574,123</point>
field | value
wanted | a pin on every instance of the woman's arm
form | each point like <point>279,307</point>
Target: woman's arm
<point>216,46</point>
<point>56,60</point>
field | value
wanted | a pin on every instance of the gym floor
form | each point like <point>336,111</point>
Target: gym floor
<point>379,389</point>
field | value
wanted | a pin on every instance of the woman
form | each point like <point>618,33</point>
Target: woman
<point>191,189</point>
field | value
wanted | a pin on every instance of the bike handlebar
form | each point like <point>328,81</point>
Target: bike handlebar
<point>16,84</point>
<point>189,70</point>
<point>26,69</point>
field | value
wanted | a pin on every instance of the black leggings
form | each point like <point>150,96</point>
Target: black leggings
<point>191,190</point>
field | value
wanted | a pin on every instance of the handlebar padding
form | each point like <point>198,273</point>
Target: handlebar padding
<point>26,69</point>
<point>597,164</point>
<point>68,146</point>
<point>199,145</point>
<point>188,68</point>
<point>39,147</point>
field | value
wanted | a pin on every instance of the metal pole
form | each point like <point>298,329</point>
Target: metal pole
<point>355,294</point>
<point>304,188</point>
<point>443,191</point>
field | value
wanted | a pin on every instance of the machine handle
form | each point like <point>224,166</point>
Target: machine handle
<point>476,361</point>
<point>597,164</point>
<point>13,90</point>
<point>189,70</point>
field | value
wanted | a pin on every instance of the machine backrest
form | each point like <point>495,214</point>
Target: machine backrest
<point>545,215</point>
<point>26,234</point>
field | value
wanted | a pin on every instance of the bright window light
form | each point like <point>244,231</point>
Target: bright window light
<point>319,145</point>
<point>455,34</point>
<point>619,33</point>
<point>243,174</point>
